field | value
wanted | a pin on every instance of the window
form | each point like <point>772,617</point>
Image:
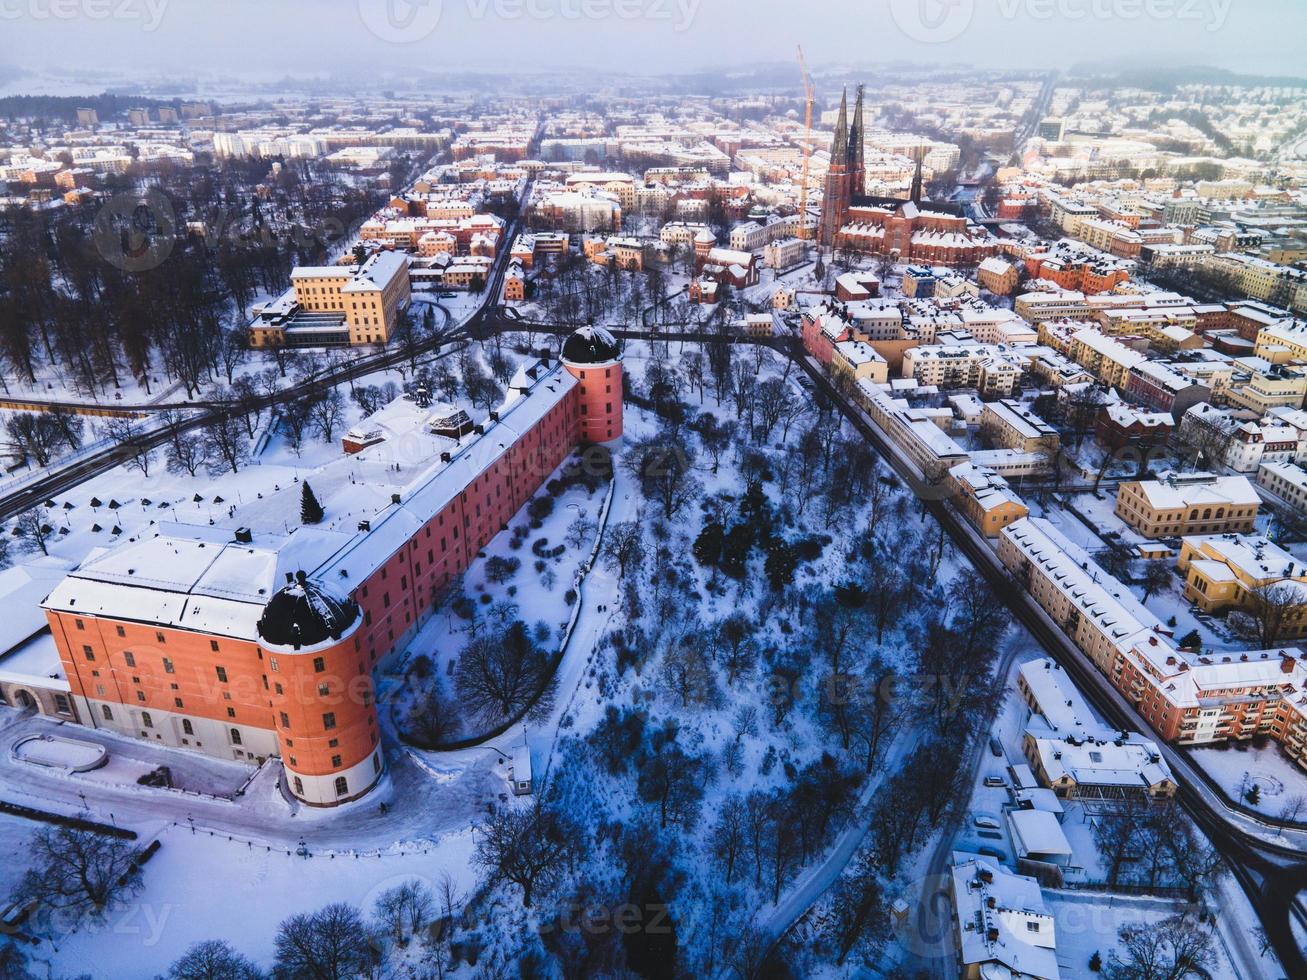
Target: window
<point>146,720</point>
<point>329,720</point>
<point>333,743</point>
<point>1032,926</point>
<point>177,702</point>
<point>342,786</point>
<point>319,665</point>
<point>285,721</point>
<point>272,662</point>
<point>335,762</point>
<point>61,704</point>
<point>159,637</point>
<point>324,690</point>
<point>167,666</point>
<point>236,736</point>
<point>278,688</point>
<point>87,652</point>
<point>79,624</point>
<point>120,631</point>
<point>231,712</point>
<point>104,710</point>
<point>140,695</point>
<point>299,783</point>
<point>222,674</point>
<point>129,658</point>
<point>376,763</point>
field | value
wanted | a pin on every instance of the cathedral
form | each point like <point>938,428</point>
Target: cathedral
<point>934,233</point>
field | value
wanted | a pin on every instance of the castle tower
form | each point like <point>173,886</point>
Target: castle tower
<point>320,692</point>
<point>857,163</point>
<point>593,357</point>
<point>838,187</point>
<point>704,242</point>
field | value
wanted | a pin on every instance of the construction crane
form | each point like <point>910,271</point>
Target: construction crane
<point>811,98</point>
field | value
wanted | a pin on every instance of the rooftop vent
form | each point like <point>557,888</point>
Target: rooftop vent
<point>244,535</point>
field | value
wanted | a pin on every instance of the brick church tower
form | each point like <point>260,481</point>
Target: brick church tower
<point>846,177</point>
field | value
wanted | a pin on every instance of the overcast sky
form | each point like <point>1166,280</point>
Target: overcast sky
<point>272,36</point>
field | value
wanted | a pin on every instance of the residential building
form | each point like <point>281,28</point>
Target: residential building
<point>1179,504</point>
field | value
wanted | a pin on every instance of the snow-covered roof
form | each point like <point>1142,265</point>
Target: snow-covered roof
<point>1005,929</point>
<point>200,578</point>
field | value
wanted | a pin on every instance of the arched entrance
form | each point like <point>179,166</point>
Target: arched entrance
<point>24,701</point>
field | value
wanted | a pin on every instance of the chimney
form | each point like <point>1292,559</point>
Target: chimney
<point>1288,664</point>
<point>244,535</point>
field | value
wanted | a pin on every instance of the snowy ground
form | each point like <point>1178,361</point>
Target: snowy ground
<point>143,936</point>
<point>538,595</point>
<point>1089,922</point>
<point>1237,766</point>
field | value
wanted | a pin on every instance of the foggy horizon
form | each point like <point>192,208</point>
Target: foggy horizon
<point>85,38</point>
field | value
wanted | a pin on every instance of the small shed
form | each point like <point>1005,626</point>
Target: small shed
<point>519,774</point>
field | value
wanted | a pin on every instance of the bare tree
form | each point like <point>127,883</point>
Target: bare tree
<point>1172,949</point>
<point>329,944</point>
<point>78,871</point>
<point>623,546</point>
<point>127,435</point>
<point>187,453</point>
<point>213,959</point>
<point>498,675</point>
<point>32,530</point>
<point>579,532</point>
<point>328,413</point>
<point>529,848</point>
<point>226,443</point>
<point>1272,610</point>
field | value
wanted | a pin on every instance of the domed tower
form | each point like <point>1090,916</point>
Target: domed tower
<point>320,689</point>
<point>593,357</point>
<point>704,242</point>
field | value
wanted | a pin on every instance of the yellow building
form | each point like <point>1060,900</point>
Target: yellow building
<point>337,303</point>
<point>1181,504</point>
<point>1231,571</point>
<point>985,499</point>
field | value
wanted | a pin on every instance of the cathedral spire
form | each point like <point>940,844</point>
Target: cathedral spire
<point>839,150</point>
<point>857,135</point>
<point>920,154</point>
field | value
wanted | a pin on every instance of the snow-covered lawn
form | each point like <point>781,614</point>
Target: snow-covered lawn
<point>199,887</point>
<point>1238,766</point>
<point>1089,922</point>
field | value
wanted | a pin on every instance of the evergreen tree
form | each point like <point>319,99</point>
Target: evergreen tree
<point>708,545</point>
<point>310,509</point>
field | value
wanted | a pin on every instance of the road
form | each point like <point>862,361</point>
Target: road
<point>202,413</point>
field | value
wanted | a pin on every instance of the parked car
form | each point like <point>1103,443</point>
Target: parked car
<point>996,747</point>
<point>994,781</point>
<point>985,821</point>
<point>993,852</point>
